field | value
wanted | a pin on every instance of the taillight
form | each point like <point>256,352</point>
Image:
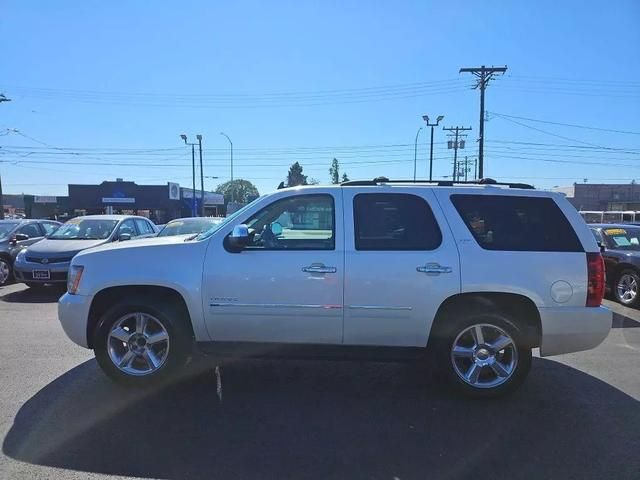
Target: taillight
<point>595,279</point>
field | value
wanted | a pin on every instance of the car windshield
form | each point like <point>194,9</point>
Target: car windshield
<point>186,226</point>
<point>206,234</point>
<point>84,229</point>
<point>627,238</point>
<point>6,229</point>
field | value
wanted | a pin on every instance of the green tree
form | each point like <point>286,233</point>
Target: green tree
<point>345,178</point>
<point>295,176</point>
<point>334,171</point>
<point>241,191</point>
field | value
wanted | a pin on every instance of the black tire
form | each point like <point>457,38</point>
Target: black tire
<point>450,329</point>
<point>622,299</point>
<point>6,264</point>
<point>180,341</point>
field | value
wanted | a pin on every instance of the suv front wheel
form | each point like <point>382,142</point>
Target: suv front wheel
<point>139,345</point>
<point>483,355</point>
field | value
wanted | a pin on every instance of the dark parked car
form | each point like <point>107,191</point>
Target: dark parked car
<point>17,234</point>
<point>621,252</point>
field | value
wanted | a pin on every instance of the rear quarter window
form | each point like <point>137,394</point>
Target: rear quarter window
<point>513,223</point>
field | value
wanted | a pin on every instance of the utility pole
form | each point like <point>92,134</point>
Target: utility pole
<point>2,99</point>
<point>432,125</point>
<point>193,173</point>
<point>484,75</point>
<point>199,137</point>
<point>455,144</point>
<point>415,154</point>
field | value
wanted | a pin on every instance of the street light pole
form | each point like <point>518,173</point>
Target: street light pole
<point>231,145</point>
<point>432,125</point>
<point>415,154</point>
<point>199,137</point>
<point>193,173</point>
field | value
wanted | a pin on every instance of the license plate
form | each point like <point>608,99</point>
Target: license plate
<point>41,274</point>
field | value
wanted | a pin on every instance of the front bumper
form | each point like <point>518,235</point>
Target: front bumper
<point>573,329</point>
<point>73,313</point>
<point>23,271</point>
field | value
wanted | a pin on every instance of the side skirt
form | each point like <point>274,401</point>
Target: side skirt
<point>311,351</point>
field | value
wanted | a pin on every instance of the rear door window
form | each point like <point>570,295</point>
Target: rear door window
<point>144,227</point>
<point>513,223</point>
<point>394,221</point>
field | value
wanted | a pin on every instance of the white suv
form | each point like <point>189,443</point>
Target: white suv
<point>467,277</point>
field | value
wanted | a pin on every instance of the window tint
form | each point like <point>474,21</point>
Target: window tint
<point>304,222</point>
<point>394,221</point>
<point>48,227</point>
<point>500,222</point>
<point>143,226</point>
<point>127,227</point>
<point>30,229</point>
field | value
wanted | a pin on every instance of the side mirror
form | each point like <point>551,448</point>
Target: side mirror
<point>238,239</point>
<point>18,237</point>
<point>602,247</point>
<point>124,236</point>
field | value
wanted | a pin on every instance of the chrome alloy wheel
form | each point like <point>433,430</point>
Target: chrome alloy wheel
<point>5,271</point>
<point>484,356</point>
<point>138,344</point>
<point>627,288</point>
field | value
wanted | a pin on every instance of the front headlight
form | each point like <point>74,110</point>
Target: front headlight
<point>74,277</point>
<point>21,255</point>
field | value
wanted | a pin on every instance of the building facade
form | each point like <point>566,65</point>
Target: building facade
<point>602,196</point>
<point>160,203</point>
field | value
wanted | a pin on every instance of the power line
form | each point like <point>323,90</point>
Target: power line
<point>565,124</point>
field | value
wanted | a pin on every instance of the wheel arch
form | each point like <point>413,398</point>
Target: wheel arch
<point>108,296</point>
<point>620,267</point>
<point>520,308</point>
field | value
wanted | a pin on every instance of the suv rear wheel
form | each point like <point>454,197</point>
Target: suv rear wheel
<point>626,288</point>
<point>483,355</point>
<point>138,344</point>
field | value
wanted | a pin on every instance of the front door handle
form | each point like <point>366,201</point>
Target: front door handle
<point>319,268</point>
<point>433,269</point>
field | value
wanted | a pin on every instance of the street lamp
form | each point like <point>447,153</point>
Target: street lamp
<point>231,145</point>
<point>415,154</point>
<point>193,170</point>
<point>432,125</point>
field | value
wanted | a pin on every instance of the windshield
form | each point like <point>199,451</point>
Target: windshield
<point>6,229</point>
<point>87,229</point>
<point>627,238</point>
<point>215,228</point>
<point>186,226</point>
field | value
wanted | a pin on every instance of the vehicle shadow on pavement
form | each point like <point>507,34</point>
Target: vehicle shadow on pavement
<point>620,321</point>
<point>316,420</point>
<point>31,295</point>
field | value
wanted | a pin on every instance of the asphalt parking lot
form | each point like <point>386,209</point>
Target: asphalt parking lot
<point>577,416</point>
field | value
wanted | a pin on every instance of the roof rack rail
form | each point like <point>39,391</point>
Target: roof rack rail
<point>438,183</point>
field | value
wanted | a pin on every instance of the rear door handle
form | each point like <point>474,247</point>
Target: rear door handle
<point>319,268</point>
<point>433,269</point>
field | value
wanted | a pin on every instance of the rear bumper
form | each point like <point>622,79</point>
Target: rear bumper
<point>573,329</point>
<point>73,313</point>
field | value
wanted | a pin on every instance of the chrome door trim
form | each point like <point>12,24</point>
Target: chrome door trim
<point>273,305</point>
<point>377,307</point>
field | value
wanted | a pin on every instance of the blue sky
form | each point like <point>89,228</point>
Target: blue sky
<point>103,89</point>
